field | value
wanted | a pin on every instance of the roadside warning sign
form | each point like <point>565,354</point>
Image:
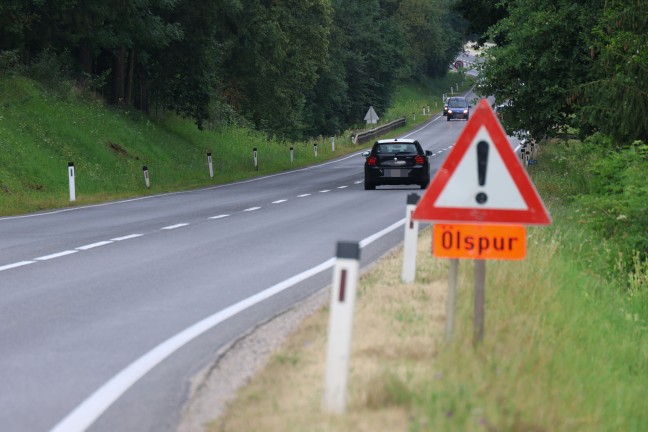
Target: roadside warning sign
<point>470,241</point>
<point>482,180</point>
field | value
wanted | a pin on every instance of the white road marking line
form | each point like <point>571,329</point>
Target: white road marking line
<point>279,201</point>
<point>128,237</point>
<point>325,190</point>
<point>251,209</point>
<point>93,245</point>
<point>170,227</point>
<point>56,255</point>
<point>342,187</point>
<point>86,413</point>
<point>219,216</point>
<point>14,265</point>
<point>89,410</point>
<point>303,195</point>
<point>358,182</point>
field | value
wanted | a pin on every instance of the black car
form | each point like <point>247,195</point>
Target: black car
<point>458,107</point>
<point>396,162</point>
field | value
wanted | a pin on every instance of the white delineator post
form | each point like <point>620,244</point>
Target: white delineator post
<point>411,239</point>
<point>146,177</point>
<point>333,144</point>
<point>72,183</point>
<point>292,154</point>
<point>315,149</point>
<point>338,352</point>
<point>256,159</point>
<point>211,165</point>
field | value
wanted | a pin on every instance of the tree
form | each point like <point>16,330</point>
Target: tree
<point>272,53</point>
<point>615,100</point>
<point>542,59</point>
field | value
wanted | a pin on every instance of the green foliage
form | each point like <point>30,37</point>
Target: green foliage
<point>292,68</point>
<point>539,63</point>
<point>566,345</point>
<point>616,100</point>
<point>616,202</point>
<point>567,65</point>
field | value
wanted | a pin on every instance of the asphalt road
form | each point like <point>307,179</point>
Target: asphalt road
<point>108,310</point>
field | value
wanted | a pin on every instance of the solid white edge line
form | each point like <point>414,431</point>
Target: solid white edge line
<point>86,413</point>
<point>14,265</point>
<point>93,245</point>
<point>56,255</point>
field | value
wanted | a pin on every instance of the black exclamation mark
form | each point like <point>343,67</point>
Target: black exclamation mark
<point>482,163</point>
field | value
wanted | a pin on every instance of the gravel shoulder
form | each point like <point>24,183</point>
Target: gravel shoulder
<point>215,386</point>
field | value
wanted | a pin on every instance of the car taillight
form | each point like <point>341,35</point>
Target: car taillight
<point>419,159</point>
<point>372,160</point>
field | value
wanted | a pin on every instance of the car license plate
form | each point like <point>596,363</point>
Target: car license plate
<point>396,172</point>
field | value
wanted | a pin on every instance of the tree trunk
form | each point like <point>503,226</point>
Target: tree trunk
<point>129,81</point>
<point>118,76</point>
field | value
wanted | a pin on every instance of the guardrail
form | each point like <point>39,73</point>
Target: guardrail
<point>363,137</point>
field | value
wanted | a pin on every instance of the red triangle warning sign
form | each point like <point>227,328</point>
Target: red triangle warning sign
<point>482,180</point>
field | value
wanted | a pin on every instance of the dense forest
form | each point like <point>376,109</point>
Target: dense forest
<point>291,68</point>
<point>566,66</point>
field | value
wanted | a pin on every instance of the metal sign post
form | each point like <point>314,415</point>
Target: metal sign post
<point>480,283</point>
<point>451,303</point>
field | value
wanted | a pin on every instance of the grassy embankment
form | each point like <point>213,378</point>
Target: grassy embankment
<point>41,131</point>
<point>566,344</point>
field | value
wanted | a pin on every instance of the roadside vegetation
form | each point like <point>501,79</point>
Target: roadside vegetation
<point>43,128</point>
<point>566,344</point>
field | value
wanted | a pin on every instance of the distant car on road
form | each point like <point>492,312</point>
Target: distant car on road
<point>458,107</point>
<point>396,162</point>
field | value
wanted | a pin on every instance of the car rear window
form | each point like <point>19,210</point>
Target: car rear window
<point>457,103</point>
<point>393,148</point>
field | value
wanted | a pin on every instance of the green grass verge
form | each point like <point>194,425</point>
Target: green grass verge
<point>41,131</point>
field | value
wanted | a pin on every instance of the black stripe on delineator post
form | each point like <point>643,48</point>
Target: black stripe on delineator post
<point>343,278</point>
<point>349,250</point>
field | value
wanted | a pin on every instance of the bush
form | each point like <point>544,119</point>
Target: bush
<point>9,62</point>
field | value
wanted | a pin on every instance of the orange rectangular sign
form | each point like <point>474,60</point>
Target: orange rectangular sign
<point>505,242</point>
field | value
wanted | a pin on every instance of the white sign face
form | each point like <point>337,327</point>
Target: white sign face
<point>498,188</point>
<point>371,117</point>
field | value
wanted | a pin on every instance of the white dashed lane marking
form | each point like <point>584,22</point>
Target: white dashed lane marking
<point>128,237</point>
<point>170,227</point>
<point>131,236</point>
<point>93,245</point>
<point>56,255</point>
